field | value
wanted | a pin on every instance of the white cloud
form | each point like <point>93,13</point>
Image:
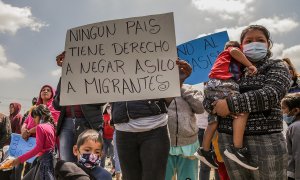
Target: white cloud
<point>225,8</point>
<point>56,72</point>
<point>3,58</point>
<point>8,70</point>
<point>233,33</point>
<point>294,54</point>
<point>276,25</point>
<point>277,50</point>
<point>14,18</point>
<point>207,19</point>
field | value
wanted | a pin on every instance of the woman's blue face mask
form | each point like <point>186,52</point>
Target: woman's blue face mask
<point>255,51</point>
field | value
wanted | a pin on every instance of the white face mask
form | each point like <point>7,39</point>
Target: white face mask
<point>255,51</point>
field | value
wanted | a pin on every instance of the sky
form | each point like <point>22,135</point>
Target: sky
<point>32,32</point>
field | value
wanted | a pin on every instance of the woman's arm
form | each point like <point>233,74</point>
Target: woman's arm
<point>275,86</point>
<point>24,131</point>
<point>56,98</point>
<point>185,71</point>
<point>32,131</point>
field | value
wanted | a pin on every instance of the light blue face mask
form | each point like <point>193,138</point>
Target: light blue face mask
<point>288,119</point>
<point>255,51</point>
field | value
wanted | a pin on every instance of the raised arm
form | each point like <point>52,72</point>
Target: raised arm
<point>56,98</point>
<point>185,71</point>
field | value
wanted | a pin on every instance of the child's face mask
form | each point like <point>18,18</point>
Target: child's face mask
<point>89,160</point>
<point>288,119</point>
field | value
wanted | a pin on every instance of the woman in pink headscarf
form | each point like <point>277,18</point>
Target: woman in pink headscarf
<point>45,97</point>
<point>15,117</point>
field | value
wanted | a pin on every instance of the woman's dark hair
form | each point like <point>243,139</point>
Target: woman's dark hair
<point>106,106</point>
<point>43,112</point>
<point>34,100</point>
<point>264,30</point>
<point>292,100</point>
<point>291,68</point>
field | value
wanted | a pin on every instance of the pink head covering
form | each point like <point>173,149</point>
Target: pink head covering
<point>17,109</point>
<point>55,114</point>
<point>16,118</point>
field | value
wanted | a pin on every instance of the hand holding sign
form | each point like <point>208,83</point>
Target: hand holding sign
<point>60,58</point>
<point>185,70</point>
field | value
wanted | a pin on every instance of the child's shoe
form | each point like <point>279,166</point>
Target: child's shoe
<point>207,157</point>
<point>240,156</point>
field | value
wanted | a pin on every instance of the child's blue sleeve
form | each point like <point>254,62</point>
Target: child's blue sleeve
<point>100,173</point>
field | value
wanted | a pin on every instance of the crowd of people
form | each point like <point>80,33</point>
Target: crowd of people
<point>234,126</point>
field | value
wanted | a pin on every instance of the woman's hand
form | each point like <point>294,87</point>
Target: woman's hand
<point>185,70</point>
<point>221,108</point>
<point>60,58</point>
<point>25,134</point>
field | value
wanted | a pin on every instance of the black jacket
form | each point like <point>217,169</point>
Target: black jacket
<point>5,130</point>
<point>91,112</point>
<point>125,110</point>
<point>70,171</point>
<point>74,171</point>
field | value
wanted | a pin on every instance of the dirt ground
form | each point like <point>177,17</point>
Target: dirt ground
<point>108,167</point>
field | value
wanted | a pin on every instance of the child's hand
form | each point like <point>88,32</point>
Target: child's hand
<point>16,162</point>
<point>7,164</point>
<point>251,70</point>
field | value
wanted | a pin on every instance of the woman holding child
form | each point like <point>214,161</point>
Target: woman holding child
<point>260,96</point>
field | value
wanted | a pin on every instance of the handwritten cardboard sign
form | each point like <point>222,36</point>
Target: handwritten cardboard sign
<point>18,146</point>
<point>120,60</point>
<point>201,54</point>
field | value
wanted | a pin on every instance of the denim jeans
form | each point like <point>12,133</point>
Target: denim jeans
<point>67,141</point>
<point>108,151</point>
<point>143,155</point>
<point>204,172</point>
<point>116,157</point>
